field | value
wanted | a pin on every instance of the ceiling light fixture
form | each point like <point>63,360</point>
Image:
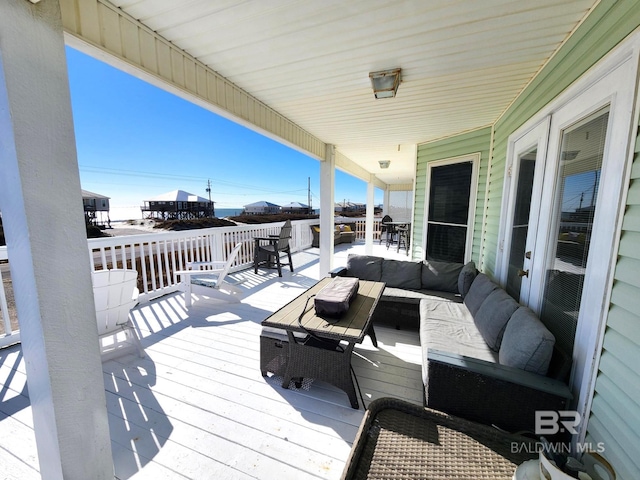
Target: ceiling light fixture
<point>384,163</point>
<point>385,83</point>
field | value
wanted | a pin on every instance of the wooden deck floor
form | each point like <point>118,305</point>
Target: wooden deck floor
<point>197,406</point>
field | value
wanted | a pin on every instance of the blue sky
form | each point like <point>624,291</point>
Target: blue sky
<point>136,141</point>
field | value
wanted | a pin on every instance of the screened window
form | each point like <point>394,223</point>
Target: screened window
<point>449,209</point>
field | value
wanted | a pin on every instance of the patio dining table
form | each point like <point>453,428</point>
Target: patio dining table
<point>402,230</point>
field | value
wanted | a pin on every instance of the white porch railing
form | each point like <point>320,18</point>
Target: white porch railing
<point>156,256</point>
<point>9,337</point>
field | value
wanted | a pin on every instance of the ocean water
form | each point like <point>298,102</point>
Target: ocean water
<point>228,212</point>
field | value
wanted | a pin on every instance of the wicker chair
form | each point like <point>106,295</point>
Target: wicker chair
<point>268,249</point>
<point>401,441</point>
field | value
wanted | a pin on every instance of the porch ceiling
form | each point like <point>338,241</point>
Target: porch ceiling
<point>463,62</point>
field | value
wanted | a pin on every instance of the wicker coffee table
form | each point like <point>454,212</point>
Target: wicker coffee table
<point>398,440</point>
<point>325,353</point>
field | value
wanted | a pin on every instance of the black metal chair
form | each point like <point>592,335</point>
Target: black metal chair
<point>268,249</point>
<point>390,230</point>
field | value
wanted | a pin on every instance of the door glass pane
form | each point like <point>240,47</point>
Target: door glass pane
<point>575,205</point>
<point>520,221</point>
<point>448,216</point>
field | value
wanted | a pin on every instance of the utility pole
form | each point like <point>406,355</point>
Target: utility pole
<point>310,211</point>
<point>211,209</point>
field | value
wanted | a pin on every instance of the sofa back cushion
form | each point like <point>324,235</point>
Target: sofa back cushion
<point>365,267</point>
<point>442,276</point>
<point>466,278</point>
<point>480,289</point>
<point>401,274</point>
<point>493,315</point>
<point>526,343</point>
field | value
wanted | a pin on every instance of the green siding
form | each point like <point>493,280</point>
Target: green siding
<point>464,144</point>
<point>609,23</point>
<point>615,412</point>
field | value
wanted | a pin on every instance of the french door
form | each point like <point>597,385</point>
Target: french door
<point>562,208</point>
<point>525,175</point>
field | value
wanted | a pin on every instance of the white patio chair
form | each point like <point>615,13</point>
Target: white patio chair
<point>115,294</point>
<point>209,280</point>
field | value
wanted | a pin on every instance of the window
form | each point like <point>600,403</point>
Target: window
<point>450,206</point>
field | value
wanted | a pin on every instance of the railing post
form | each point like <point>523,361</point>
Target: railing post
<point>4,308</point>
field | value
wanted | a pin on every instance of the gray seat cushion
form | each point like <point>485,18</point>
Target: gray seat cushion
<point>493,315</point>
<point>526,343</point>
<point>441,276</point>
<point>449,327</point>
<point>401,274</point>
<point>480,289</point>
<point>365,267</point>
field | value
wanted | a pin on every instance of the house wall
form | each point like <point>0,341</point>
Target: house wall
<point>465,144</point>
<point>615,412</point>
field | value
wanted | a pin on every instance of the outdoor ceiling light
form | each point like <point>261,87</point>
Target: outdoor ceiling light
<point>384,163</point>
<point>385,83</point>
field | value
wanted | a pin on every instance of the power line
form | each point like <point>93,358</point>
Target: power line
<point>141,174</point>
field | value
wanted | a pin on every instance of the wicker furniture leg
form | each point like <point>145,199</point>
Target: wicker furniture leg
<point>328,361</point>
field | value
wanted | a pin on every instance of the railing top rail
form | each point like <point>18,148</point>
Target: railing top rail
<point>172,235</point>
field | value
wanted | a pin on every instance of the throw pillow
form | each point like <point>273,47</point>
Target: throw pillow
<point>365,267</point>
<point>316,229</point>
<point>526,344</point>
<point>442,276</point>
<point>347,228</point>
<point>401,274</point>
<point>493,315</point>
<point>480,289</point>
<point>466,278</point>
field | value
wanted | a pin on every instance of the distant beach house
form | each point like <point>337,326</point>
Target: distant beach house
<point>96,206</point>
<point>177,205</point>
<point>261,208</point>
<point>296,207</point>
<point>344,207</point>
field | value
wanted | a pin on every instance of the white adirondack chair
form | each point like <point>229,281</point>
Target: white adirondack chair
<point>115,294</point>
<point>209,280</point>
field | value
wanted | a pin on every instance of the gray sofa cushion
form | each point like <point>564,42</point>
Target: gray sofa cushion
<point>480,289</point>
<point>364,267</point>
<point>449,327</point>
<point>526,343</point>
<point>401,274</point>
<point>493,315</point>
<point>466,278</point>
<point>441,276</point>
<point>401,295</point>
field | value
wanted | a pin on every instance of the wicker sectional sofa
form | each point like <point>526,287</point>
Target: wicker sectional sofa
<point>485,357</point>
<point>343,233</point>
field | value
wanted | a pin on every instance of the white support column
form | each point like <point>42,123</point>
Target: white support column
<point>368,229</point>
<point>41,203</point>
<point>385,202</point>
<point>327,194</point>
